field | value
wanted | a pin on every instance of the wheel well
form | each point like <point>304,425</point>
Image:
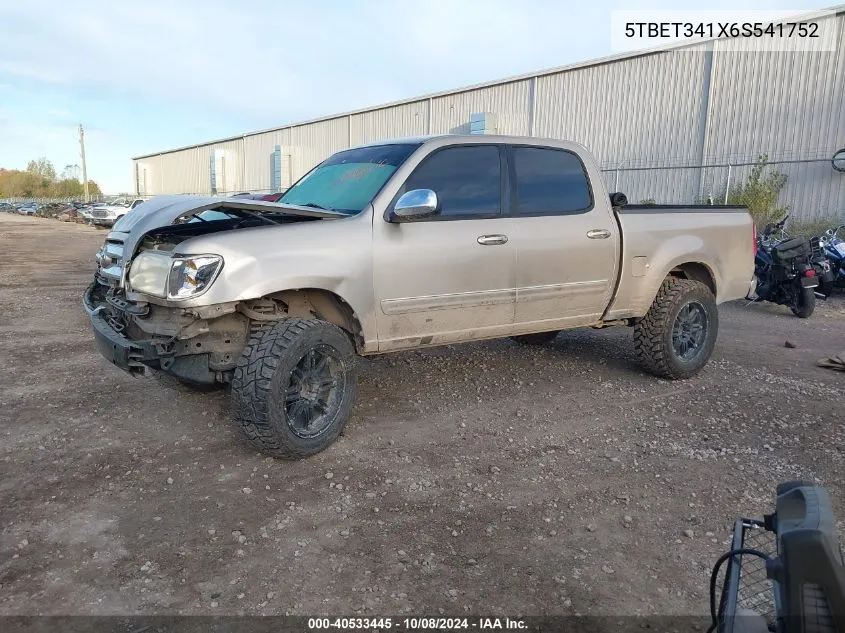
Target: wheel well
<point>696,272</point>
<point>315,303</point>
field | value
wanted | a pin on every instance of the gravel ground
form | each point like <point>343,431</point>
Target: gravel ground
<point>486,478</point>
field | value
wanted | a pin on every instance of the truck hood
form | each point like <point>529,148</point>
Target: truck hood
<point>163,211</point>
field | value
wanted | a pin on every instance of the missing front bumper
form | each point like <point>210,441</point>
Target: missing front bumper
<point>130,356</point>
<point>138,356</point>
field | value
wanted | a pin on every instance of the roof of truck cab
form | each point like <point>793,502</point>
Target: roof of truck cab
<point>474,138</point>
<point>405,140</point>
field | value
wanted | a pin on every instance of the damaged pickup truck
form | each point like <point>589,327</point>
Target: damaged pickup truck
<point>402,245</point>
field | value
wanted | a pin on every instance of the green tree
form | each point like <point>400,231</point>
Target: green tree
<point>42,168</point>
<point>70,172</point>
<point>94,189</point>
<point>760,192</point>
<point>66,188</point>
<point>22,184</point>
<point>39,181</point>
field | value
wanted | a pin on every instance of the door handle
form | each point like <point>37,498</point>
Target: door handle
<point>492,240</point>
<point>598,234</point>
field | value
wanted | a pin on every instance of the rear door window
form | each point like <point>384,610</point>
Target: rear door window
<point>550,182</point>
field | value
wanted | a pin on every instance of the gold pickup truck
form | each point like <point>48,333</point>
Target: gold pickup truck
<point>400,245</point>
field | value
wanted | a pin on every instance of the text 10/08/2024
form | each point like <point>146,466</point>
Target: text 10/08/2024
<point>415,624</point>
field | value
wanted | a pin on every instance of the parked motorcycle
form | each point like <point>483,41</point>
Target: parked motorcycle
<point>832,248</point>
<point>784,273</point>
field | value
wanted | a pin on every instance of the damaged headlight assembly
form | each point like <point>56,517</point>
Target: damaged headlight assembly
<point>180,277</point>
<point>190,276</point>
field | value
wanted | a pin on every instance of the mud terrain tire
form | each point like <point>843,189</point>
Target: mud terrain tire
<point>678,333</point>
<point>294,387</point>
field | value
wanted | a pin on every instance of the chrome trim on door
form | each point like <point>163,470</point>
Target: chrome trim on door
<point>556,291</point>
<point>461,300</point>
<point>598,234</point>
<point>492,240</point>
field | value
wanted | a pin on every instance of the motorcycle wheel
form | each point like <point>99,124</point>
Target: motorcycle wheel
<point>806,303</point>
<point>825,289</point>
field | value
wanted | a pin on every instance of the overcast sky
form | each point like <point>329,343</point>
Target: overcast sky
<point>149,75</point>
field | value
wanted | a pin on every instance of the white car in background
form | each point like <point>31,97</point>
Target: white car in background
<point>104,214</point>
<point>84,212</point>
<point>136,202</point>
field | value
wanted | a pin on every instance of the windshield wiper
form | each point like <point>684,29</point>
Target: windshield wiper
<point>259,216</point>
<point>314,205</point>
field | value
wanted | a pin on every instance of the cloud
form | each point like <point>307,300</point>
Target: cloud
<point>58,113</point>
<point>41,140</point>
<point>29,71</point>
<point>288,60</point>
<point>281,61</point>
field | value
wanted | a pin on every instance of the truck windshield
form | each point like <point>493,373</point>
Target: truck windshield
<point>349,180</point>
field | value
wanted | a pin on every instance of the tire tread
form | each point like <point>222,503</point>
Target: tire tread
<point>807,304</point>
<point>650,332</point>
<point>252,385</point>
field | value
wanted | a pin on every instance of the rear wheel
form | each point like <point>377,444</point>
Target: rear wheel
<point>806,303</point>
<point>677,335</point>
<point>294,386</point>
<point>538,338</point>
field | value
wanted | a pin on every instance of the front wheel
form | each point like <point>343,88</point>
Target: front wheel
<point>678,333</point>
<point>806,303</point>
<point>294,386</point>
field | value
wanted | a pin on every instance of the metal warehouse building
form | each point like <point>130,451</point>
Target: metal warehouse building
<point>673,125</point>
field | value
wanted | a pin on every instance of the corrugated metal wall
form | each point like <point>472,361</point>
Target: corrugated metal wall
<point>707,104</point>
<point>230,165</point>
<point>188,171</point>
<point>408,119</point>
<point>642,111</point>
<point>308,144</point>
<point>632,112</point>
<point>450,114</point>
<point>258,156</point>
<point>142,175</point>
<point>790,106</point>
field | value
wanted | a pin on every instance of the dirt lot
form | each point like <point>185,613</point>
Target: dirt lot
<point>488,478</point>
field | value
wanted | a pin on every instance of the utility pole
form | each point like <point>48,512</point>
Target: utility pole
<point>84,167</point>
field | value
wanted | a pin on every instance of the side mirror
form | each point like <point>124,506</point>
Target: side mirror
<point>414,205</point>
<point>618,199</point>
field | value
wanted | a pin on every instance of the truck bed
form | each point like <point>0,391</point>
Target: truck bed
<point>657,238</point>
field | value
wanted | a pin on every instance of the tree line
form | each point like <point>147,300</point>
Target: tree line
<point>39,180</point>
